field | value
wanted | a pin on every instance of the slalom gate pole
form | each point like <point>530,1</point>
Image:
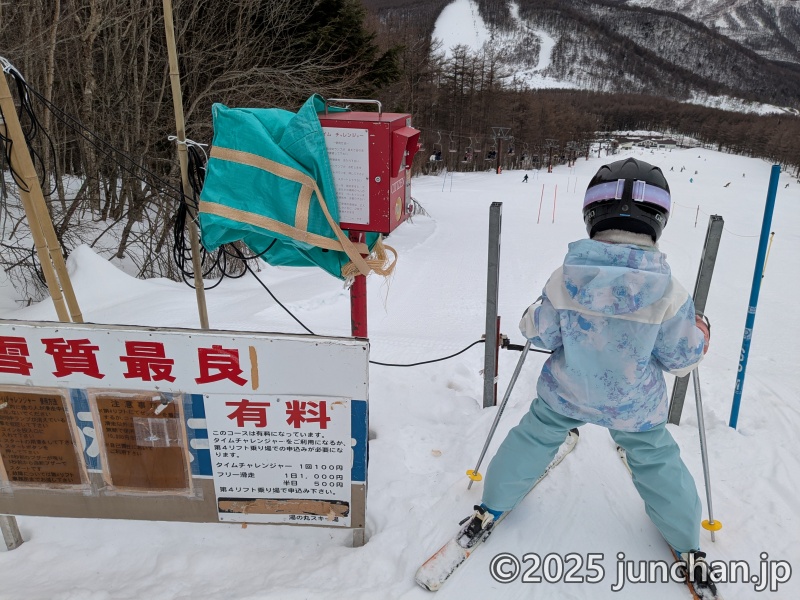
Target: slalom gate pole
<point>473,474</point>
<point>766,260</point>
<point>754,291</point>
<point>540,206</point>
<point>555,197</point>
<point>710,524</point>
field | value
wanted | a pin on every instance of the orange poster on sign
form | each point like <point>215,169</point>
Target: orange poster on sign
<point>141,441</point>
<point>37,445</point>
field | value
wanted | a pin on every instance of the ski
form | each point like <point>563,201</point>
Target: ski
<point>696,594</point>
<point>444,562</point>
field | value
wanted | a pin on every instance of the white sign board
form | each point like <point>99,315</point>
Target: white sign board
<point>280,459</point>
<point>348,152</point>
<point>278,422</point>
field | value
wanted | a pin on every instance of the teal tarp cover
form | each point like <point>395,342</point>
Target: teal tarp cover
<point>267,178</point>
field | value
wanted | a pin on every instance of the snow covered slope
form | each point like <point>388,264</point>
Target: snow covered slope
<point>428,422</point>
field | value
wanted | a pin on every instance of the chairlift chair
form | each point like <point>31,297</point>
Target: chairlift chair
<point>468,153</point>
<point>437,147</point>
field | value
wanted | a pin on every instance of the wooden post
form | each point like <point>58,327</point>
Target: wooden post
<point>44,236</point>
<point>359,537</point>
<point>183,160</point>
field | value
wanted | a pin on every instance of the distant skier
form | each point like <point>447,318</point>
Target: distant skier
<point>525,179</point>
<point>614,318</point>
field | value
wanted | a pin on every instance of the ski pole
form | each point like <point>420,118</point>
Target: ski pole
<point>710,524</point>
<point>473,474</point>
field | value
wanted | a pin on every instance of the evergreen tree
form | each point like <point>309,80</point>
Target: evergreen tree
<point>337,28</point>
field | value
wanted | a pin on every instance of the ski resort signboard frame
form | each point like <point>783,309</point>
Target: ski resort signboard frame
<point>182,425</point>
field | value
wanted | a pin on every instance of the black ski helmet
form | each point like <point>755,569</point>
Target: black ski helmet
<point>629,194</point>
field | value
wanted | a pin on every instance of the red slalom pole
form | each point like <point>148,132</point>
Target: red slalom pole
<point>540,206</point>
<point>555,195</point>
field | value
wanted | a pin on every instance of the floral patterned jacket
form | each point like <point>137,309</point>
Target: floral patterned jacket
<point>615,319</point>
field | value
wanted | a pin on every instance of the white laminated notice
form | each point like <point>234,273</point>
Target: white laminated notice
<point>348,152</point>
<point>281,459</point>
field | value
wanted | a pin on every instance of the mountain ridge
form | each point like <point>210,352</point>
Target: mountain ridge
<point>642,46</point>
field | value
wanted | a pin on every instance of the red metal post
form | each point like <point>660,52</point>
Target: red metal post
<point>358,298</point>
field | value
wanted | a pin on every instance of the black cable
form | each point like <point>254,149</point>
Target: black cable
<point>105,148</point>
<point>33,131</point>
<point>247,266</point>
<point>426,362</point>
<point>8,145</point>
<point>217,261</point>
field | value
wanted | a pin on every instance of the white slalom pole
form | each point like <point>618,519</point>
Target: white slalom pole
<point>710,524</point>
<point>474,475</point>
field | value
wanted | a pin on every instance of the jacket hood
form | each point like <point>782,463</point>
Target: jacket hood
<point>615,278</point>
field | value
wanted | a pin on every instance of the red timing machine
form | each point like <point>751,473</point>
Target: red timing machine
<point>370,155</point>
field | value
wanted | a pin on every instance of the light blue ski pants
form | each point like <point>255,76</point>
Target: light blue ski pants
<point>661,478</point>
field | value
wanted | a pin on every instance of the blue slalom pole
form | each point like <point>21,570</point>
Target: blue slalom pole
<point>754,290</point>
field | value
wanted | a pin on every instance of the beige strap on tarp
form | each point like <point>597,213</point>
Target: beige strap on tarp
<point>299,231</point>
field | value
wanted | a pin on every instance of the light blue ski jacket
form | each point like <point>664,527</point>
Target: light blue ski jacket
<point>615,319</point>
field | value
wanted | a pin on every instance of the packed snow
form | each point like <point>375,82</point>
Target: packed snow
<point>428,422</point>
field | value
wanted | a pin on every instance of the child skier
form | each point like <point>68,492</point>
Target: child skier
<point>615,319</point>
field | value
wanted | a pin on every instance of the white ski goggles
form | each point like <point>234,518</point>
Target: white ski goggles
<point>642,192</point>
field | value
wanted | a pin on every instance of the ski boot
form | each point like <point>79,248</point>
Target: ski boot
<point>477,527</point>
<point>700,581</point>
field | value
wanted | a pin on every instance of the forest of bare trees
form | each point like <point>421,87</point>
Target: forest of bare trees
<point>100,76</point>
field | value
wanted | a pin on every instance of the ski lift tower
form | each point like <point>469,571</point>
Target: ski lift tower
<point>551,145</point>
<point>499,134</point>
<point>572,153</point>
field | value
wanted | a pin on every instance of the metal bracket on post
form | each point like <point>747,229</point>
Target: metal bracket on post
<point>11,535</point>
<point>492,293</point>
<point>700,296</point>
